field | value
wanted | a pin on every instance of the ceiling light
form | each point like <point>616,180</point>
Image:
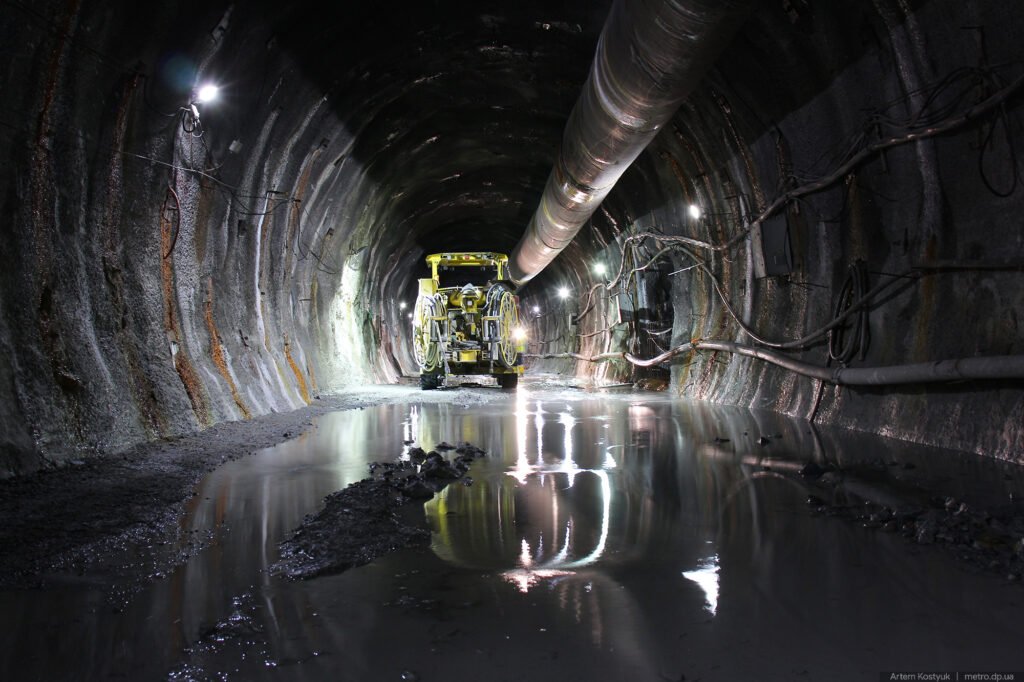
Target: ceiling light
<point>401,305</point>
<point>600,268</point>
<point>207,93</point>
<point>695,211</point>
<point>563,293</point>
<point>536,309</point>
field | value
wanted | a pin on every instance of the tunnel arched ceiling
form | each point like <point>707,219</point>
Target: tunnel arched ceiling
<point>167,274</point>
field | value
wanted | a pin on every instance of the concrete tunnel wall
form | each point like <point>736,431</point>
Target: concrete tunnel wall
<point>160,278</point>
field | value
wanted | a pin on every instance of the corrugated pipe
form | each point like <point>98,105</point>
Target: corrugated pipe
<point>651,55</point>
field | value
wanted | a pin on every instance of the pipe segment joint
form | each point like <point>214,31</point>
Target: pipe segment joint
<point>651,55</point>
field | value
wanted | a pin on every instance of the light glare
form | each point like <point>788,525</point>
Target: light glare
<point>600,268</point>
<point>563,293</point>
<point>706,576</point>
<point>207,93</point>
<point>695,211</point>
<point>536,309</point>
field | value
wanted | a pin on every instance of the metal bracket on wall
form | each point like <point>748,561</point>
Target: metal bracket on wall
<point>769,242</point>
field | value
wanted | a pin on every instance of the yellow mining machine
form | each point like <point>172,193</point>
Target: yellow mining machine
<point>470,323</point>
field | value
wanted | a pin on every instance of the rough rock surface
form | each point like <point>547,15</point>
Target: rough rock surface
<point>989,539</point>
<point>79,517</point>
<point>365,519</point>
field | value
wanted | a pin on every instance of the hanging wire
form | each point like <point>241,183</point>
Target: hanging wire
<point>848,340</point>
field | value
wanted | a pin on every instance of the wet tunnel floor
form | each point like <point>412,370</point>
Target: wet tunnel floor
<point>626,537</point>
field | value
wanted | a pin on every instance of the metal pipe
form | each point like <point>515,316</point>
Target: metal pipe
<point>992,368</point>
<point>651,55</point>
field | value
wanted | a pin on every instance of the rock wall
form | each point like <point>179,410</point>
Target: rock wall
<point>162,274</point>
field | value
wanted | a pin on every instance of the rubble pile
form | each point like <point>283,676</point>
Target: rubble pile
<point>363,521</point>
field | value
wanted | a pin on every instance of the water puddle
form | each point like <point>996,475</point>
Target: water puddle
<point>626,537</point>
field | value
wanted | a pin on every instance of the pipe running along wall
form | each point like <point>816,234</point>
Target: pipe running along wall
<point>161,277</point>
<point>998,367</point>
<point>651,54</point>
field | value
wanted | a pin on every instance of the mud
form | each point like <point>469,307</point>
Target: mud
<point>986,537</point>
<point>74,518</point>
<point>610,536</point>
<point>364,521</point>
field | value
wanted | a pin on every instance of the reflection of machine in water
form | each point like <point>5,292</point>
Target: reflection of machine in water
<point>549,526</point>
<point>563,504</point>
<point>540,528</point>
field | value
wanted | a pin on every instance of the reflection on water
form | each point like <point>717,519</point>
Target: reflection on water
<point>536,518</point>
<point>601,539</point>
<point>706,575</point>
<point>581,483</point>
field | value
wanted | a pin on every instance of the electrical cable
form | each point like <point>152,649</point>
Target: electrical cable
<point>999,367</point>
<point>989,368</point>
<point>146,100</point>
<point>853,308</point>
<point>984,107</point>
<point>843,346</point>
<point>986,145</point>
<point>590,302</point>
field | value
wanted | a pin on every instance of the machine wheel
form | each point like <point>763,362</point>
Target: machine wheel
<point>501,303</point>
<point>425,346</point>
<point>508,381</point>
<point>429,382</point>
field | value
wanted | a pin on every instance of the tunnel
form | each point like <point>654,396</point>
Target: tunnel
<point>790,329</point>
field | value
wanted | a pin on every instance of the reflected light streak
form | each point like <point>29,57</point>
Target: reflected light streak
<point>609,461</point>
<point>525,579</point>
<point>533,570</point>
<point>706,577</point>
<point>606,518</point>
<point>522,469</point>
<point>410,430</point>
<point>568,463</point>
<point>538,425</point>
<point>563,553</point>
<point>525,560</point>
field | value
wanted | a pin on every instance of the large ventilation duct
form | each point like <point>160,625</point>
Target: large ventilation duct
<point>651,54</point>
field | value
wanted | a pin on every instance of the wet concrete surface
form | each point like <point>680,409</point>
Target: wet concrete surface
<point>604,537</point>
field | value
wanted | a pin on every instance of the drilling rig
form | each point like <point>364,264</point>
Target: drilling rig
<point>466,320</point>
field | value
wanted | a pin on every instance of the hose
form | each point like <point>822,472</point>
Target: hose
<point>988,368</point>
<point>854,307</point>
<point>996,367</point>
<point>843,346</point>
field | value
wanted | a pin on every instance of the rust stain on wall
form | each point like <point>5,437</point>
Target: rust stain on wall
<point>926,310</point>
<point>295,210</point>
<point>42,171</point>
<point>182,362</point>
<point>217,353</point>
<point>143,391</point>
<point>193,387</point>
<point>43,179</point>
<point>680,176</point>
<point>303,390</point>
<point>312,377</point>
<point>741,148</point>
